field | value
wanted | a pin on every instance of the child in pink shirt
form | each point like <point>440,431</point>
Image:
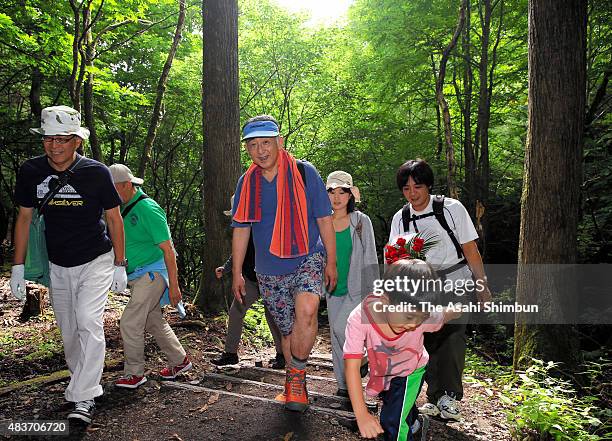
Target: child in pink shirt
<point>390,326</point>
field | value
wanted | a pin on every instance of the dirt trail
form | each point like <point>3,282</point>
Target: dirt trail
<point>210,403</point>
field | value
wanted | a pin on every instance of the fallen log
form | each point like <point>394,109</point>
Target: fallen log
<point>54,377</point>
<point>188,324</point>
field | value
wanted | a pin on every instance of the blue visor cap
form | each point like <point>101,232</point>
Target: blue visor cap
<point>260,129</point>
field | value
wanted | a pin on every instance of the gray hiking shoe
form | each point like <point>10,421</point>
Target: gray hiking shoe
<point>449,408</point>
<point>429,409</point>
<point>83,410</point>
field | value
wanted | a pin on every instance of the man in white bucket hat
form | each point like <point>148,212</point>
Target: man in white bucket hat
<point>84,262</point>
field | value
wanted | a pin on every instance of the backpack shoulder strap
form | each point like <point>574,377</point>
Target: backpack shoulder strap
<point>302,169</point>
<point>438,210</point>
<point>406,217</point>
<point>127,209</point>
<point>359,226</point>
<point>61,182</point>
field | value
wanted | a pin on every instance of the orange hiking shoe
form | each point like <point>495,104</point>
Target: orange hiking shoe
<point>282,397</point>
<point>295,387</point>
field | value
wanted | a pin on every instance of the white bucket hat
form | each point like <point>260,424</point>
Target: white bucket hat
<point>342,179</point>
<point>60,120</point>
<point>121,173</point>
<point>229,212</point>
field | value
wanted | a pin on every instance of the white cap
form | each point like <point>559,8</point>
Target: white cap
<point>121,173</point>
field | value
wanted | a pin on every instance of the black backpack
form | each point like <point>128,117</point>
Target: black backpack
<point>438,212</point>
<point>302,170</point>
<point>127,209</point>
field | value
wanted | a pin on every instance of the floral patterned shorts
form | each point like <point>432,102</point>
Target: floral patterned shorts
<point>278,292</point>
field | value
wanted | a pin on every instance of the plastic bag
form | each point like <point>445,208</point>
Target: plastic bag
<point>37,259</point>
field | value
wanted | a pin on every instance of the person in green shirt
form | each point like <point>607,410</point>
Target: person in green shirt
<point>152,273</point>
<point>357,264</point>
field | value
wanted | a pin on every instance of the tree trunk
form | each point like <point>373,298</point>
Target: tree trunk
<point>35,105</point>
<point>484,111</point>
<point>221,155</point>
<point>439,142</point>
<point>469,197</point>
<point>443,104</point>
<point>552,176</point>
<point>73,85</point>
<point>36,302</point>
<point>88,100</point>
<point>161,90</point>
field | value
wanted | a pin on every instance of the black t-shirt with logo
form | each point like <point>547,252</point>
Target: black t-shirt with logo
<point>74,228</point>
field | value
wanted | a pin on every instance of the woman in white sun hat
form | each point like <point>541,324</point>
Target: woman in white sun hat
<point>357,264</point>
<point>73,193</point>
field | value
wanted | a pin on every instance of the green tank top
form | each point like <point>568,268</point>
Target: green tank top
<point>344,248</point>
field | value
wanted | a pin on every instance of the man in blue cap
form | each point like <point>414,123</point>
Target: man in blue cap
<point>283,203</point>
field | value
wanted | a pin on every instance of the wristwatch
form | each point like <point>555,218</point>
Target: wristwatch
<point>123,262</point>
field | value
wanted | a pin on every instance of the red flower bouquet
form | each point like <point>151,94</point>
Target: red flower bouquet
<point>414,247</point>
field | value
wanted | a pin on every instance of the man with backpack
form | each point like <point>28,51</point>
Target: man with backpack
<point>284,204</point>
<point>72,193</point>
<point>455,257</point>
<point>153,273</point>
<point>238,310</point>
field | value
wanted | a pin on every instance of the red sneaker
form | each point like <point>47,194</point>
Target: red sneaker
<point>130,381</point>
<point>172,373</point>
<point>295,386</point>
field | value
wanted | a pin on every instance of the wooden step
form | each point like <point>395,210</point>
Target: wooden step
<point>258,388</point>
<point>347,419</point>
<point>316,383</point>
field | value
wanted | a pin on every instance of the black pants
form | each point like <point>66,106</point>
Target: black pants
<point>446,350</point>
<point>399,409</point>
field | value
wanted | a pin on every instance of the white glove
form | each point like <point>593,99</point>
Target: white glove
<point>119,279</point>
<point>18,286</point>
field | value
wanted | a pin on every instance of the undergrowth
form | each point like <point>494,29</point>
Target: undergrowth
<point>542,404</point>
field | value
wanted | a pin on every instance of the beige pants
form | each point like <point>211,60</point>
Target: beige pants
<point>144,313</point>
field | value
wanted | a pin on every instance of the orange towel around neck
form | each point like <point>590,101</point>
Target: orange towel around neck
<point>290,234</point>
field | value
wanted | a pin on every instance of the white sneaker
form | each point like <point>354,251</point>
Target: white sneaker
<point>449,408</point>
<point>83,410</point>
<point>429,409</point>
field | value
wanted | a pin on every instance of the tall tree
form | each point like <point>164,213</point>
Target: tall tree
<point>443,104</point>
<point>221,155</point>
<point>156,116</point>
<point>552,175</point>
<point>468,142</point>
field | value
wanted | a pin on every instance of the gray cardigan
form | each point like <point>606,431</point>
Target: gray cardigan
<point>363,267</point>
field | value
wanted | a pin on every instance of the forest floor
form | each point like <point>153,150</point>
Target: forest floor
<point>204,404</point>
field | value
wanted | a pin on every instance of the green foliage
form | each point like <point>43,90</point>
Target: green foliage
<point>542,402</point>
<point>594,241</point>
<point>358,97</point>
<point>31,345</point>
<point>477,368</point>
<point>255,330</point>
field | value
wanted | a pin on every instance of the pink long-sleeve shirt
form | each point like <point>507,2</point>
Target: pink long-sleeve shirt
<point>388,357</point>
